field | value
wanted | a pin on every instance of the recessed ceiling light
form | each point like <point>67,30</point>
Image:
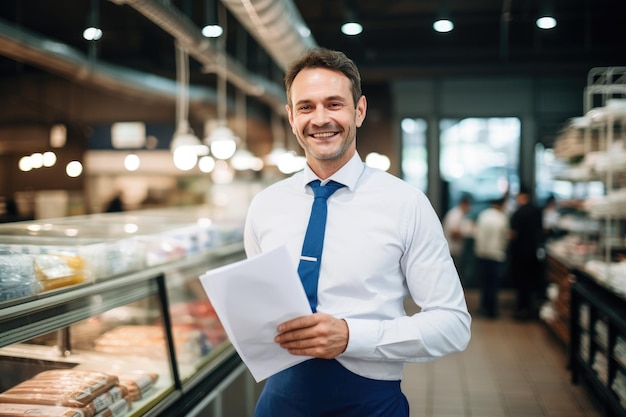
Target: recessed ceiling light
<point>351,28</point>
<point>92,34</point>
<point>443,25</point>
<point>212,31</point>
<point>546,22</point>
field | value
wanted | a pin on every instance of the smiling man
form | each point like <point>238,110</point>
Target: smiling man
<point>382,243</point>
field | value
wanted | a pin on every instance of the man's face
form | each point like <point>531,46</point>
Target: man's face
<point>323,116</point>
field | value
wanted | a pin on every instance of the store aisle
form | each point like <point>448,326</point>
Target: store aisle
<point>510,369</point>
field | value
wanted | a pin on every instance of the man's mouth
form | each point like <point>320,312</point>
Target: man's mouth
<point>323,135</point>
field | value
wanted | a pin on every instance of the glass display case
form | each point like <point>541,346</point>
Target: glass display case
<point>143,340</point>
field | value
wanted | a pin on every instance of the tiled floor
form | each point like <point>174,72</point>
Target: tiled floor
<point>510,369</point>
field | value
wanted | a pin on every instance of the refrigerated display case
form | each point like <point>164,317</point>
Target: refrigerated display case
<point>142,341</point>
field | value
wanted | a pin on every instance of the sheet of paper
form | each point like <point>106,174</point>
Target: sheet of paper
<point>251,298</point>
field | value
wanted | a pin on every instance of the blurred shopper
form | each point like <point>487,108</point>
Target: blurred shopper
<point>526,242</point>
<point>11,212</point>
<point>116,204</point>
<point>551,217</point>
<point>491,237</point>
<point>457,227</point>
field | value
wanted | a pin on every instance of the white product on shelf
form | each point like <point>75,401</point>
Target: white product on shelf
<point>612,274</point>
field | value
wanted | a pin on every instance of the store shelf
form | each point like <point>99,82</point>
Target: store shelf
<point>559,276</point>
<point>592,353</point>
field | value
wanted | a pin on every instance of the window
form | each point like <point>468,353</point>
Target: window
<point>414,153</point>
<point>480,157</point>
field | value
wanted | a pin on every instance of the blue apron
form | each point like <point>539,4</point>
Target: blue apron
<point>324,388</point>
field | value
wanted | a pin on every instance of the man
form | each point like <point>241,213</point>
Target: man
<point>491,238</point>
<point>526,237</point>
<point>383,243</point>
<point>457,227</point>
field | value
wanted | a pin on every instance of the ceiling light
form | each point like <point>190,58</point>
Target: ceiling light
<point>49,159</point>
<point>25,164</point>
<point>132,162</point>
<point>443,25</point>
<point>351,28</point>
<point>74,169</point>
<point>242,160</point>
<point>206,164</point>
<point>222,141</point>
<point>92,34</point>
<point>36,159</point>
<point>186,148</point>
<point>546,22</point>
<point>212,31</point>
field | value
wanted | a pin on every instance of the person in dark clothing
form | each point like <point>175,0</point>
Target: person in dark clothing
<point>526,238</point>
<point>116,204</point>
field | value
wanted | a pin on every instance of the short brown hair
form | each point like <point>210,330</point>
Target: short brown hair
<point>325,58</point>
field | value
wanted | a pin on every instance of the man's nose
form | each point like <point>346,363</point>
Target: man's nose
<point>320,116</point>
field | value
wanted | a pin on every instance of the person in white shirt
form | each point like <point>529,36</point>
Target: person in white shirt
<point>383,243</point>
<point>491,239</point>
<point>457,227</point>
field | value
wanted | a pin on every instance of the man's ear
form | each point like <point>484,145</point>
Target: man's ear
<point>361,110</point>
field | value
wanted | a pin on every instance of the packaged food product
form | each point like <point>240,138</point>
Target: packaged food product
<point>138,383</point>
<point>88,391</point>
<point>17,276</point>
<point>26,410</point>
<point>149,341</point>
<point>59,270</point>
<point>117,409</point>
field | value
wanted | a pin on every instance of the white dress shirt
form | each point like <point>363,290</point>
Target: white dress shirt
<point>383,243</point>
<point>456,221</point>
<point>491,235</point>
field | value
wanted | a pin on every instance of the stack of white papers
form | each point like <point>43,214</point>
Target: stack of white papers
<point>251,298</point>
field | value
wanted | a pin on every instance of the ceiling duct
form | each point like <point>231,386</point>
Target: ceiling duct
<point>276,25</point>
<point>59,58</point>
<point>177,24</point>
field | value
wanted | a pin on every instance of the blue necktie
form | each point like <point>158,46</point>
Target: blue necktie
<point>311,259</point>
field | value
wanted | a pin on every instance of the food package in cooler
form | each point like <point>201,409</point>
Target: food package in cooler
<point>59,270</point>
<point>87,391</point>
<point>161,249</point>
<point>112,258</point>
<point>199,315</point>
<point>137,383</point>
<point>29,410</point>
<point>118,408</point>
<point>17,276</point>
<point>149,341</point>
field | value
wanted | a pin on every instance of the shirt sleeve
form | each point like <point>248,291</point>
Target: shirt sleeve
<point>443,324</point>
<point>250,242</point>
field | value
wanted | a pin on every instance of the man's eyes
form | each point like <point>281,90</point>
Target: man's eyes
<point>329,105</point>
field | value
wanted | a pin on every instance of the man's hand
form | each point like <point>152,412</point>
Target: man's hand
<point>319,335</point>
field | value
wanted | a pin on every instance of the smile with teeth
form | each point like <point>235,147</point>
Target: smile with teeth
<point>323,135</point>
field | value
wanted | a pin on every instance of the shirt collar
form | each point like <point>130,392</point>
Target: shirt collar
<point>347,175</point>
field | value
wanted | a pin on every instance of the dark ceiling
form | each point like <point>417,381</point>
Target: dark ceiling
<point>490,37</point>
